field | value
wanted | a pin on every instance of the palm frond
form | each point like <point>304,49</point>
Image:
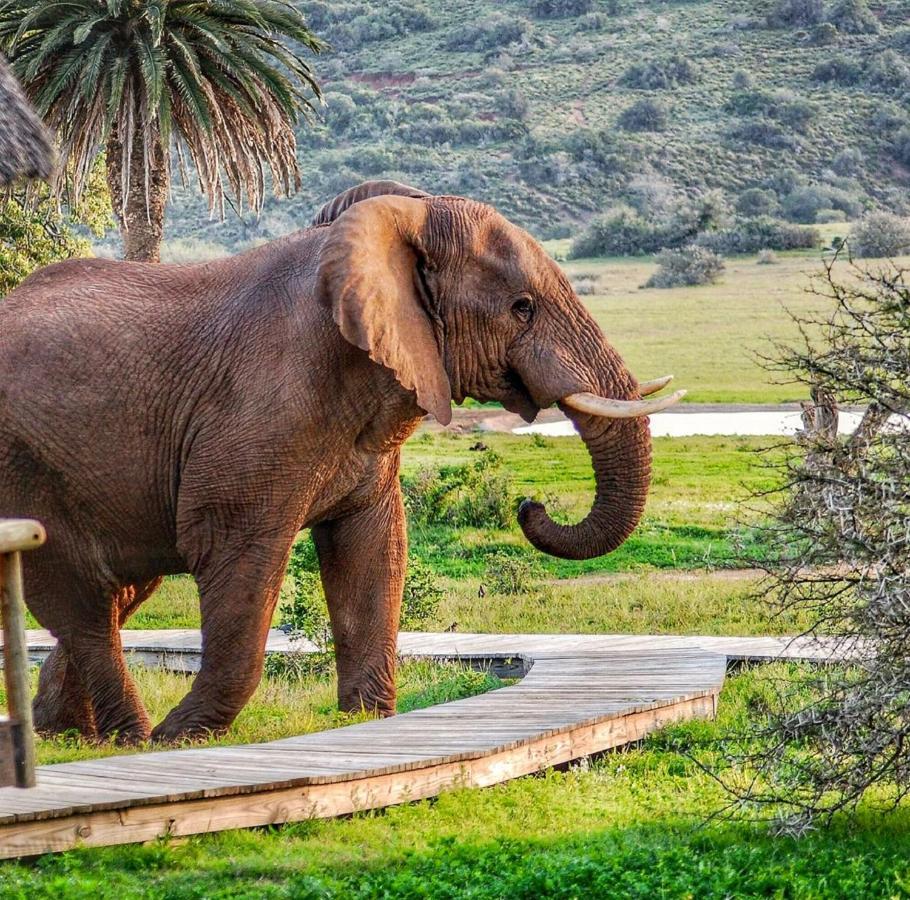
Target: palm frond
<point>223,82</point>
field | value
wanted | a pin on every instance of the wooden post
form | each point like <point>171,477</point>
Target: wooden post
<point>16,535</point>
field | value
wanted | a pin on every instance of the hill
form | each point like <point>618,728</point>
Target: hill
<point>555,109</point>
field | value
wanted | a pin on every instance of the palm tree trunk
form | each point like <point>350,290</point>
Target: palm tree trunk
<point>141,217</point>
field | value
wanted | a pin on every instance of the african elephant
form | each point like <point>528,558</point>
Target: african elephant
<point>162,419</point>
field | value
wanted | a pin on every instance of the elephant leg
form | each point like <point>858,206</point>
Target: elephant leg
<point>62,702</point>
<point>363,558</point>
<point>238,592</point>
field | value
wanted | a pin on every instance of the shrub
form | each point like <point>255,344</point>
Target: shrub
<point>422,595</point>
<point>756,202</point>
<point>828,216</point>
<point>804,204</point>
<point>742,80</point>
<point>621,231</point>
<point>887,71</point>
<point>796,13</point>
<point>782,106</point>
<point>853,17</point>
<point>494,31</point>
<point>644,115</point>
<point>560,9</point>
<point>763,233</point>
<point>880,234</point>
<point>660,74</point>
<point>847,162</point>
<point>510,574</point>
<point>683,266</point>
<point>824,34</point>
<point>766,258</point>
<point>585,284</point>
<point>477,494</point>
<point>764,133</point>
<point>839,70</point>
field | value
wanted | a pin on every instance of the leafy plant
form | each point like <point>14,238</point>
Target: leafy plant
<point>477,494</point>
<point>686,266</point>
<point>644,115</point>
<point>511,574</point>
<point>880,234</point>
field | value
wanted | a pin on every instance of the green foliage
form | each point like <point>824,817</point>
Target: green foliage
<point>796,13</point>
<point>686,266</point>
<point>560,9</point>
<point>804,203</point>
<point>880,234</point>
<point>489,33</point>
<point>660,74</point>
<point>35,231</point>
<point>853,17</point>
<point>760,233</point>
<point>422,595</point>
<point>510,573</point>
<point>644,115</point>
<point>756,202</point>
<point>471,494</point>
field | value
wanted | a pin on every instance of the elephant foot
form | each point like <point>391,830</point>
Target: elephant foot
<point>367,699</point>
<point>61,704</point>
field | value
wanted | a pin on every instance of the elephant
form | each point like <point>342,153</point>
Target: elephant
<point>163,419</point>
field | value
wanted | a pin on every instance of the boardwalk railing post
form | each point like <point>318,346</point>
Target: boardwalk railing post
<point>16,535</point>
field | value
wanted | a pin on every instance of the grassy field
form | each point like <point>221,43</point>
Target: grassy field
<point>631,824</point>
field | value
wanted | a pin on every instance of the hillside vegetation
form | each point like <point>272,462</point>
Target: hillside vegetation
<point>554,110</point>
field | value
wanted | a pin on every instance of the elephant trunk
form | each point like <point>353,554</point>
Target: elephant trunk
<point>620,451</point>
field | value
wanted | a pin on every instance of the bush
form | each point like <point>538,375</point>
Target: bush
<point>509,574</point>
<point>796,13</point>
<point>478,494</point>
<point>753,235</point>
<point>621,231</point>
<point>839,70</point>
<point>494,31</point>
<point>644,115</point>
<point>853,17</point>
<point>756,202</point>
<point>560,9</point>
<point>766,258</point>
<point>847,162</point>
<point>742,80</point>
<point>764,133</point>
<point>660,74</point>
<point>782,106</point>
<point>824,34</point>
<point>686,266</point>
<point>804,204</point>
<point>889,72</point>
<point>880,234</point>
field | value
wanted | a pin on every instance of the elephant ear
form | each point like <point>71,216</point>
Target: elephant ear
<point>368,274</point>
<point>346,199</point>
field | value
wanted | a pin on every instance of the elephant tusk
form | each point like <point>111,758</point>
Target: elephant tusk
<point>619,409</point>
<point>652,387</point>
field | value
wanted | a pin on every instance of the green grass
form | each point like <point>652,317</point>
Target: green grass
<point>631,824</point>
<point>711,337</point>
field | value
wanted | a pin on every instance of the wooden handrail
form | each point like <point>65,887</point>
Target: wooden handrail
<point>20,534</point>
<point>17,741</point>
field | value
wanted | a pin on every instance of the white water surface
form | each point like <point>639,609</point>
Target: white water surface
<point>683,424</point>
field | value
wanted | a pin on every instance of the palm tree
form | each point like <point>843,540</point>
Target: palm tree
<point>208,82</point>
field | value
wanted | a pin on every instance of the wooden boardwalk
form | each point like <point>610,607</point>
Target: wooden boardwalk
<point>581,695</point>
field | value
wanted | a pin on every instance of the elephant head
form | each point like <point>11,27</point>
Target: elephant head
<point>458,302</point>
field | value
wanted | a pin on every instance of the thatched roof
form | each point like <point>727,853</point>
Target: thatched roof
<point>25,145</point>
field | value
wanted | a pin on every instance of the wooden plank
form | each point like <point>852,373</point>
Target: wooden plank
<point>319,801</point>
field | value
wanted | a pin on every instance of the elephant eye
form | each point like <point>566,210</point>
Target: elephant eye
<point>523,309</point>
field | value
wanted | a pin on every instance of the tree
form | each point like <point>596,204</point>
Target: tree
<point>211,81</point>
<point>842,562</point>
